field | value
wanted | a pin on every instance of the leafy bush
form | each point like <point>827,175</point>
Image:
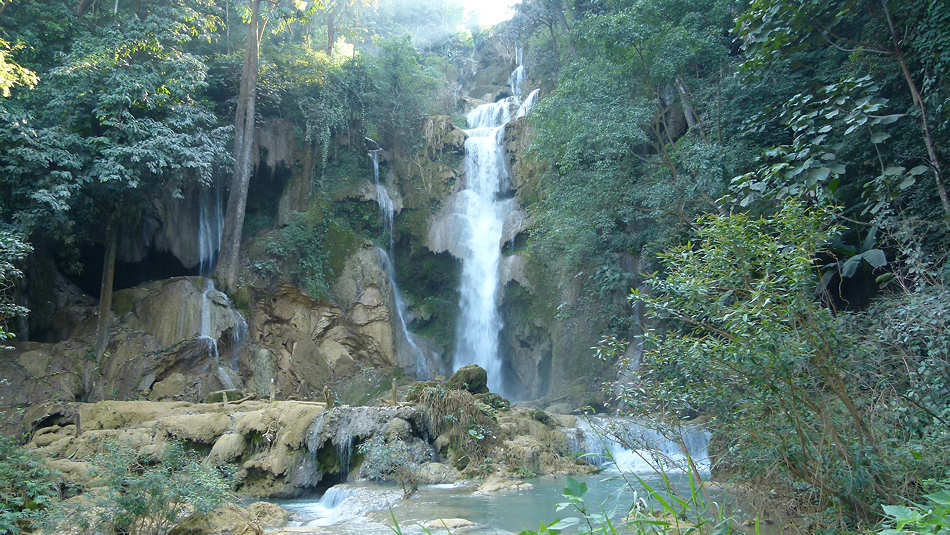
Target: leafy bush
<point>390,460</point>
<point>931,518</point>
<point>296,253</point>
<point>144,498</point>
<point>800,400</point>
<point>12,250</point>
<point>27,487</point>
<point>470,424</point>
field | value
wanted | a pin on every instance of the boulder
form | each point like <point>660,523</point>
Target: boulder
<point>269,515</point>
<point>227,448</point>
<point>499,483</point>
<point>448,524</point>
<point>472,378</point>
<point>397,428</point>
<point>228,519</point>
<point>175,386</point>
<point>437,473</point>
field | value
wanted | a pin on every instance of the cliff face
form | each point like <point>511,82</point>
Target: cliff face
<point>174,337</point>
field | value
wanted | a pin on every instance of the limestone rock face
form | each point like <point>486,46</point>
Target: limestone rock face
<point>441,134</point>
<point>299,344</point>
<point>266,440</point>
<point>171,309</point>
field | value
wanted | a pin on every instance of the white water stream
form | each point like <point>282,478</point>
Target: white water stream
<point>362,508</point>
<point>482,215</point>
<point>210,227</point>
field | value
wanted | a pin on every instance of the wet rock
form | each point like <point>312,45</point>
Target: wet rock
<point>472,378</point>
<point>498,483</point>
<point>448,524</point>
<point>269,515</point>
<point>437,473</point>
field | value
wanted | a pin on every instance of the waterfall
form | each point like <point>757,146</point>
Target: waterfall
<point>210,227</point>
<point>419,359</point>
<point>482,216</point>
<point>206,336</point>
<point>387,210</point>
<point>641,449</point>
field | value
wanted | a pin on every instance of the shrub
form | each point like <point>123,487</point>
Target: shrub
<point>930,518</point>
<point>470,424</point>
<point>27,487</point>
<point>141,497</point>
<point>801,400</point>
<point>390,460</point>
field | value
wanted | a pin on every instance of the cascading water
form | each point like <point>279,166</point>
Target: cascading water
<point>387,210</point>
<point>482,215</point>
<point>639,449</point>
<point>210,227</point>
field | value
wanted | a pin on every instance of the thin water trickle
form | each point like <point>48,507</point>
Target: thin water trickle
<point>210,227</point>
<point>416,358</point>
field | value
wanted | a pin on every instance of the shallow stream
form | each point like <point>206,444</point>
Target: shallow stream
<point>364,508</point>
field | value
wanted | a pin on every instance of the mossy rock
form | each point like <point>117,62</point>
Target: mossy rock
<point>473,378</point>
<point>541,416</point>
<point>494,401</point>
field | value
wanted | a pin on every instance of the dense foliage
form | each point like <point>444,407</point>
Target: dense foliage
<point>144,496</point>
<point>27,488</point>
<point>788,156</point>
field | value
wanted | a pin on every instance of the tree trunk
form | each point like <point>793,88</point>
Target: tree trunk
<point>692,120</point>
<point>567,29</point>
<point>105,305</point>
<point>921,109</point>
<point>331,34</point>
<point>227,270</point>
<point>105,290</point>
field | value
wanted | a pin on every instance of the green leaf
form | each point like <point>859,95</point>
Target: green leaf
<point>901,513</point>
<point>941,497</point>
<point>819,174</point>
<point>919,170</point>
<point>575,488</point>
<point>888,119</point>
<point>879,137</point>
<point>893,170</point>
<point>565,523</point>
<point>875,257</point>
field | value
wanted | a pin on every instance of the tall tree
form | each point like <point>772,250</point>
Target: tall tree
<point>229,257</point>
<point>911,37</point>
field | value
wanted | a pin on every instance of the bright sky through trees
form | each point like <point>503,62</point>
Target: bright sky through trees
<point>489,12</point>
